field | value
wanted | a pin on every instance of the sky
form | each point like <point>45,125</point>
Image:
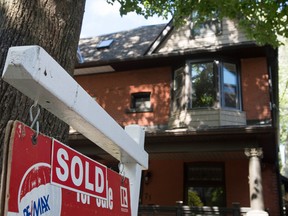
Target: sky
<point>102,18</point>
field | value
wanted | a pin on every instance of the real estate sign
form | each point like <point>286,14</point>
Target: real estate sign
<point>50,178</point>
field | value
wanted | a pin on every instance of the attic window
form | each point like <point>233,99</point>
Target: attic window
<point>207,26</point>
<point>105,44</point>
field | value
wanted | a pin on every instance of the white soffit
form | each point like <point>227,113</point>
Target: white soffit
<point>93,70</point>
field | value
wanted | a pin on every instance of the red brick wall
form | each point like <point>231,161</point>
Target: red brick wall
<point>166,185</point>
<point>255,90</point>
<point>270,189</point>
<point>113,92</point>
<point>169,175</point>
<point>237,185</point>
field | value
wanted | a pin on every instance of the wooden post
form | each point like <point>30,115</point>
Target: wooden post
<point>133,170</point>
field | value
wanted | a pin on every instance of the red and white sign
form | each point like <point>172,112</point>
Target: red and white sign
<point>49,178</point>
<point>77,172</point>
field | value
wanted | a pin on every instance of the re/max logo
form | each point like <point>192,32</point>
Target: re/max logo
<point>37,207</point>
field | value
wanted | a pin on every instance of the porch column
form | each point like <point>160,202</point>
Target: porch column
<point>255,182</point>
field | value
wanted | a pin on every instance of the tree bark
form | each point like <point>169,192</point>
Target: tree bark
<point>53,25</point>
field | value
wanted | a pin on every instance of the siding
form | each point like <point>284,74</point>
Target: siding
<point>180,39</point>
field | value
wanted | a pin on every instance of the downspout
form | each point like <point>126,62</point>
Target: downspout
<point>273,70</point>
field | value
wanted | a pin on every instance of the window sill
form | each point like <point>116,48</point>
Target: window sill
<point>131,110</point>
<point>198,118</point>
<point>214,108</point>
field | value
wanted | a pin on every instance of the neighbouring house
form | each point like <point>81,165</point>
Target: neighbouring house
<point>207,97</point>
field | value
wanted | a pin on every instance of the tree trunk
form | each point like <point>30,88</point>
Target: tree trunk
<point>53,25</point>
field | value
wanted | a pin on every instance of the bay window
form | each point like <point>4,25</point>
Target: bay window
<point>207,84</point>
<point>206,94</point>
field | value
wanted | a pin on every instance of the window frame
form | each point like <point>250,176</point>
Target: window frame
<point>238,86</point>
<point>187,184</point>
<point>104,44</point>
<point>199,23</point>
<point>215,80</point>
<point>137,95</point>
<point>219,86</point>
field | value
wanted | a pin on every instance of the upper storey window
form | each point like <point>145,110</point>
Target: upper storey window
<point>230,86</point>
<point>204,85</point>
<point>207,84</point>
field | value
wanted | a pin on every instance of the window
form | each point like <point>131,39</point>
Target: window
<point>179,89</point>
<point>140,102</point>
<point>105,44</point>
<point>204,184</point>
<point>209,84</point>
<point>204,85</point>
<point>230,85</point>
<point>201,27</point>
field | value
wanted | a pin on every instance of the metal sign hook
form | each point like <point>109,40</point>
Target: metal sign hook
<point>121,171</point>
<point>34,121</point>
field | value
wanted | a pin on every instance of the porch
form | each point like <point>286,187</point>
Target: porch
<point>182,210</point>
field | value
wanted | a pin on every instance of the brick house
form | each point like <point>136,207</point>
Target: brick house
<point>206,96</point>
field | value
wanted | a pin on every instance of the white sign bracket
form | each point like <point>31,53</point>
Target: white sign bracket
<point>31,70</point>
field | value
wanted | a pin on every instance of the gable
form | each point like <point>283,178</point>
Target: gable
<point>182,39</point>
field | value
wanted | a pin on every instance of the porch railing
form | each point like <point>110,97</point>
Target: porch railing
<point>182,210</point>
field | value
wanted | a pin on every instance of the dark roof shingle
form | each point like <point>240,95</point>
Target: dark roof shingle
<point>126,44</point>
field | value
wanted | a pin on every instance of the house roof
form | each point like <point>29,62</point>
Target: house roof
<point>156,45</point>
<point>120,45</point>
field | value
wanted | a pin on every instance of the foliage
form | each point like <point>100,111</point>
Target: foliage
<point>283,100</point>
<point>211,196</point>
<point>217,196</point>
<point>203,86</point>
<point>283,90</point>
<point>194,199</point>
<point>262,20</point>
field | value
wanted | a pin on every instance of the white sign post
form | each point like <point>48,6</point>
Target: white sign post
<point>31,70</point>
